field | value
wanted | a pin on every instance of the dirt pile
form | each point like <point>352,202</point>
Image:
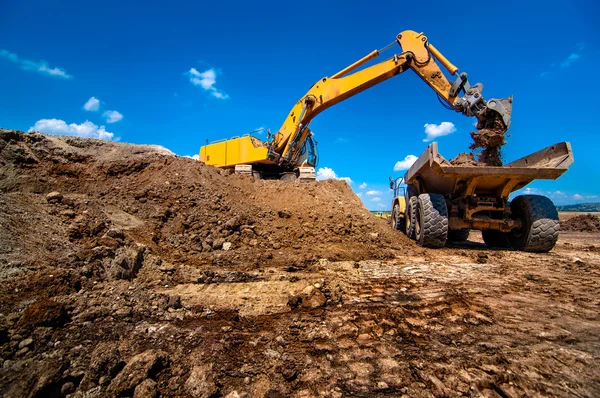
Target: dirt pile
<point>581,223</point>
<point>465,159</point>
<point>127,271</point>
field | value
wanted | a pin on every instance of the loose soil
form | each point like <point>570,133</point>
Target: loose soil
<point>466,159</point>
<point>128,271</point>
<point>582,223</point>
<point>490,138</point>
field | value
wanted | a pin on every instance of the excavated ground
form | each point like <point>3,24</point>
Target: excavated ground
<point>127,271</point>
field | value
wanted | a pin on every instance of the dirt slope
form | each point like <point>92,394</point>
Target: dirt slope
<point>147,275</point>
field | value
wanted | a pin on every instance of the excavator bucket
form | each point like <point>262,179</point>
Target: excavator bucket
<point>503,107</point>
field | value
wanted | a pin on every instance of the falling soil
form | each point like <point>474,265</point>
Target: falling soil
<point>490,138</point>
<point>582,223</point>
<point>128,271</point>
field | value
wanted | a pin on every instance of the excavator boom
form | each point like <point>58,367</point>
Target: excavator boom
<point>284,151</point>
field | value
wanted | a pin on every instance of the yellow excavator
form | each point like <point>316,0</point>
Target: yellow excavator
<point>291,152</point>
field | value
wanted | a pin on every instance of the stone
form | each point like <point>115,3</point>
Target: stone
<point>227,245</point>
<point>124,312</point>
<point>22,351</point>
<point>284,214</point>
<point>218,243</point>
<point>54,197</point>
<point>115,233</point>
<point>140,367</point>
<point>67,388</point>
<point>146,389</point>
<point>201,383</point>
<point>26,343</point>
<point>44,313</point>
<point>310,297</point>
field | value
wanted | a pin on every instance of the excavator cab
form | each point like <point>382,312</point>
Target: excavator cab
<point>308,154</point>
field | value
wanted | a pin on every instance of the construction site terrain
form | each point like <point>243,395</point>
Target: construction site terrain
<point>128,271</point>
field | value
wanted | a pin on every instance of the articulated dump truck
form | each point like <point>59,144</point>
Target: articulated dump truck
<point>438,201</point>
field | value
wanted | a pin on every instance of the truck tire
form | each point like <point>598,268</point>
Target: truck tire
<point>411,217</point>
<point>458,235</point>
<point>495,238</point>
<point>397,221</point>
<point>432,221</point>
<point>540,229</point>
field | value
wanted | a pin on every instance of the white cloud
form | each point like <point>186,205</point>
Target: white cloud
<point>326,173</point>
<point>363,185</point>
<point>36,66</point>
<point>195,157</point>
<point>381,206</point>
<point>112,116</point>
<point>376,199</point>
<point>207,81</point>
<point>531,191</point>
<point>86,129</point>
<point>577,197</point>
<point>360,195</point>
<point>92,105</point>
<point>373,193</point>
<point>406,163</point>
<point>434,131</point>
<point>570,59</point>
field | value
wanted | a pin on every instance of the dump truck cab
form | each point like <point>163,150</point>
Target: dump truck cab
<point>398,217</point>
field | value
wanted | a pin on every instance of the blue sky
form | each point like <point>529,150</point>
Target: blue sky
<point>178,73</point>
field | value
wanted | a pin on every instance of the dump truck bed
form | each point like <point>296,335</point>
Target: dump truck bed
<point>435,174</point>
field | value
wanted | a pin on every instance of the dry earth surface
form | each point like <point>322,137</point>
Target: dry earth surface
<point>127,271</point>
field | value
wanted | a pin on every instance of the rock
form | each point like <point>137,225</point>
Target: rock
<point>44,313</point>
<point>276,245</point>
<point>201,383</point>
<point>381,385</point>
<point>174,302</point>
<point>482,258</point>
<point>124,312</point>
<point>374,236</point>
<point>115,233</point>
<point>232,224</point>
<point>140,367</point>
<point>54,197</point>
<point>310,297</point>
<point>26,343</point>
<point>227,245</point>
<point>146,389</point>
<point>127,263</point>
<point>233,394</point>
<point>218,243</point>
<point>284,214</point>
<point>104,364</point>
<point>22,351</point>
<point>67,388</point>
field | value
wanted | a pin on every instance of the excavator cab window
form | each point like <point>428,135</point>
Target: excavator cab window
<point>308,153</point>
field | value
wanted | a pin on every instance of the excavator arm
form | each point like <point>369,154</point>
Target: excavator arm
<point>417,54</point>
<point>284,150</point>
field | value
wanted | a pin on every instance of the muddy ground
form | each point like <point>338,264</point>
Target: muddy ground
<point>127,271</point>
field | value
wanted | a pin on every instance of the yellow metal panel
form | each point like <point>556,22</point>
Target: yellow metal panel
<point>231,152</point>
<point>401,205</point>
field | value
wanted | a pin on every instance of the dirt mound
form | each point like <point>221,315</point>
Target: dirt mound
<point>465,159</point>
<point>581,223</point>
<point>128,271</point>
